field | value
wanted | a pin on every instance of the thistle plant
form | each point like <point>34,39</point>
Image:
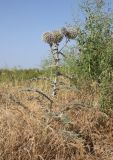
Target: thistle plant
<point>53,39</point>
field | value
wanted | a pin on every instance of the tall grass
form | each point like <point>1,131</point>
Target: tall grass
<point>13,75</point>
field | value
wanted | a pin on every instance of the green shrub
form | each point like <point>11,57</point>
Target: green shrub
<point>95,42</point>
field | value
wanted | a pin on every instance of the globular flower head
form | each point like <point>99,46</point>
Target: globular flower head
<point>69,32</point>
<point>57,36</point>
<point>48,37</point>
<point>53,37</point>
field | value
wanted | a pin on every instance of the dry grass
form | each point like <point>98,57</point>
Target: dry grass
<point>29,132</point>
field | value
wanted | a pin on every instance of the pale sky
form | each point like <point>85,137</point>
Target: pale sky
<point>22,23</point>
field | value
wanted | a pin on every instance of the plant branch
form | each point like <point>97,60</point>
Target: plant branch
<point>38,91</point>
<point>67,40</point>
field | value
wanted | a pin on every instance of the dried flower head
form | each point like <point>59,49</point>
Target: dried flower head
<point>69,32</point>
<point>48,37</point>
<point>53,37</point>
<point>57,36</point>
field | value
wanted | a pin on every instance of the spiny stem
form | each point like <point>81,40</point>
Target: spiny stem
<point>40,92</point>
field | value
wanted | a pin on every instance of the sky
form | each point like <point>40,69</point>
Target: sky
<point>22,24</point>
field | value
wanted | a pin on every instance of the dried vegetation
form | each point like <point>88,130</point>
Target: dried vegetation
<point>75,129</point>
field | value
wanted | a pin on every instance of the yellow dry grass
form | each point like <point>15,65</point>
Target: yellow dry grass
<point>29,132</point>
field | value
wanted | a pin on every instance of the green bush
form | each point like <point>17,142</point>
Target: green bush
<point>95,42</point>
